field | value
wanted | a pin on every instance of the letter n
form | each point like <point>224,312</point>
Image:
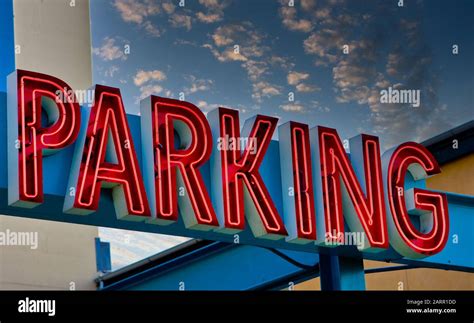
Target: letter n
<point>340,194</point>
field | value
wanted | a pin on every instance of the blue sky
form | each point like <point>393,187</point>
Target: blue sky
<point>157,47</point>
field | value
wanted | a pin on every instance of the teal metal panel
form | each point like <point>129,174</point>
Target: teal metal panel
<point>219,267</point>
<point>7,47</point>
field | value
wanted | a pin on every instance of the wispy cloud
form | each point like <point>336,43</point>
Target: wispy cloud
<point>148,14</point>
<point>151,29</point>
<point>143,77</point>
<point>109,51</point>
<point>324,43</point>
<point>294,78</point>
<point>206,107</point>
<point>208,18</point>
<point>228,54</point>
<point>308,4</point>
<point>290,20</point>
<point>140,13</point>
<point>367,68</point>
<point>242,42</point>
<point>307,88</point>
<point>264,89</point>
<point>137,11</point>
<point>169,7</point>
<point>181,21</point>
<point>197,85</point>
<point>149,83</point>
<point>110,72</point>
<point>150,89</point>
<point>144,13</point>
<point>214,11</point>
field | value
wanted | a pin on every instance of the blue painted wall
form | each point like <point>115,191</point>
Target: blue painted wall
<point>7,47</point>
<point>234,267</point>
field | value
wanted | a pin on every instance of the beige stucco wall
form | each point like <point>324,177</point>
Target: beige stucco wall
<point>64,259</point>
<point>53,38</point>
<point>457,177</point>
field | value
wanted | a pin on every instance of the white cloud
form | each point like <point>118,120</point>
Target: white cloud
<point>151,29</point>
<point>255,69</point>
<point>254,54</point>
<point>215,11</point>
<point>292,23</point>
<point>208,18</point>
<point>136,11</point>
<point>214,4</point>
<point>168,7</point>
<point>317,106</point>
<point>224,35</point>
<point>229,54</point>
<point>264,89</point>
<point>147,82</point>
<point>140,13</point>
<point>180,21</point>
<point>143,77</point>
<point>110,72</point>
<point>109,51</point>
<point>307,4</point>
<point>323,13</point>
<point>294,78</point>
<point>324,43</point>
<point>305,88</point>
<point>281,62</point>
<point>206,107</point>
<point>197,85</point>
<point>150,89</point>
<point>240,42</point>
<point>348,74</point>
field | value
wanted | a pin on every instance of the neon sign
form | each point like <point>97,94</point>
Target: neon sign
<point>324,190</point>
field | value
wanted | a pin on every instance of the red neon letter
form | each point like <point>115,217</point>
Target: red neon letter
<point>368,212</point>
<point>188,153</point>
<point>108,157</point>
<point>37,95</point>
<point>242,167</point>
<point>432,207</point>
<point>298,198</point>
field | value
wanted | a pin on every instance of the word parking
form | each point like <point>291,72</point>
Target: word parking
<point>324,190</point>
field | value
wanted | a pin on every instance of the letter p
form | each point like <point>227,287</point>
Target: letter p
<point>43,117</point>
